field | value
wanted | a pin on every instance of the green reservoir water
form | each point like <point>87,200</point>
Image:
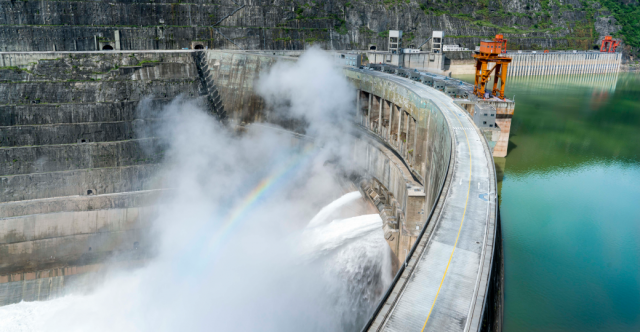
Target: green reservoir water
<point>570,205</point>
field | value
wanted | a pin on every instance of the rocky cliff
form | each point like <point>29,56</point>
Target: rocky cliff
<point>276,24</point>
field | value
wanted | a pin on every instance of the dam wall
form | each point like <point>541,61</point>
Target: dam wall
<point>78,174</point>
<point>423,187</point>
<point>78,188</point>
<point>79,179</point>
<point>562,63</point>
<point>79,182</point>
<point>410,161</point>
<point>235,74</point>
<point>69,120</point>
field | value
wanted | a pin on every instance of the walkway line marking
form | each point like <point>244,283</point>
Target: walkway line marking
<point>459,229</point>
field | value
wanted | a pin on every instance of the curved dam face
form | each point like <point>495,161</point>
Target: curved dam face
<point>82,177</point>
<point>445,282</point>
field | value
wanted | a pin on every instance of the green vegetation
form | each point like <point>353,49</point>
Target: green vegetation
<point>366,31</point>
<point>342,29</point>
<point>409,37</point>
<point>628,16</point>
<point>543,16</point>
<point>11,68</point>
<point>428,10</point>
<point>145,61</point>
<point>311,40</point>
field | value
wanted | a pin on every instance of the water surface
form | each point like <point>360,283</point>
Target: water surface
<point>570,205</point>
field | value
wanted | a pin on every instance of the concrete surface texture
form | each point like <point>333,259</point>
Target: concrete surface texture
<point>78,175</point>
<point>444,286</point>
<point>76,186</point>
<point>563,63</point>
<point>230,24</point>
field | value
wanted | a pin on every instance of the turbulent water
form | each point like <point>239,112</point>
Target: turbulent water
<point>332,208</point>
<point>349,267</point>
<point>356,256</point>
<point>232,248</point>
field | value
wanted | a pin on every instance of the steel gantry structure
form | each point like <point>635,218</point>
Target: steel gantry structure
<point>491,52</point>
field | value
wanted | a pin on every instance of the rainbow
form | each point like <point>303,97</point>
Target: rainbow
<point>267,185</point>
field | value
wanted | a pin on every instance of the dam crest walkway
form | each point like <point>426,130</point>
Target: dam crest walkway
<point>444,285</point>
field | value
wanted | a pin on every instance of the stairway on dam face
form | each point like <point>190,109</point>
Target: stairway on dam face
<point>207,86</point>
<point>78,172</point>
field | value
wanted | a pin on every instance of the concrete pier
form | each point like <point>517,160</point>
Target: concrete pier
<point>537,63</point>
<point>524,63</point>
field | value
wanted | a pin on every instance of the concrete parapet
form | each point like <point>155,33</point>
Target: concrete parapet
<point>419,133</point>
<point>385,105</point>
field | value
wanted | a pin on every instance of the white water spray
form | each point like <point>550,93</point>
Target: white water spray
<point>270,273</point>
<point>327,211</point>
<point>339,271</point>
<point>356,260</point>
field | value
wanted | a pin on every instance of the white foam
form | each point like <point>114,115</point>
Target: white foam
<point>356,262</point>
<point>326,212</point>
<point>31,316</point>
<point>351,268</point>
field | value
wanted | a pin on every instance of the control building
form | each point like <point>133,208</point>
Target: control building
<point>395,41</point>
<point>437,38</point>
<point>484,116</point>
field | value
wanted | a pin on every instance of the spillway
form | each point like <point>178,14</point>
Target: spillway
<point>188,177</point>
<point>327,211</point>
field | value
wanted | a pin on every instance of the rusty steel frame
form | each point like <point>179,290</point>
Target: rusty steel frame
<point>482,74</point>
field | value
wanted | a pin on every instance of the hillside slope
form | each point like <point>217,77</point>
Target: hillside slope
<point>276,24</point>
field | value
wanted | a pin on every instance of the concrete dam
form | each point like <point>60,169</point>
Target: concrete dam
<point>85,144</point>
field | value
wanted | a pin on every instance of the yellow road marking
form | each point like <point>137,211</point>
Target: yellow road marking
<point>459,229</point>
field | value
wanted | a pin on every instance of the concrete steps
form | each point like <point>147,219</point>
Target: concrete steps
<point>23,93</point>
<point>64,157</point>
<point>80,203</point>
<point>79,160</point>
<point>80,182</point>
<point>69,133</point>
<point>44,114</point>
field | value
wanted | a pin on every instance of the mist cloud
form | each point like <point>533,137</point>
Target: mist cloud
<point>233,254</point>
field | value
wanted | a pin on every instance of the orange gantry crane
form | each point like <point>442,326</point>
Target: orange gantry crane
<point>490,52</point>
<point>609,45</point>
